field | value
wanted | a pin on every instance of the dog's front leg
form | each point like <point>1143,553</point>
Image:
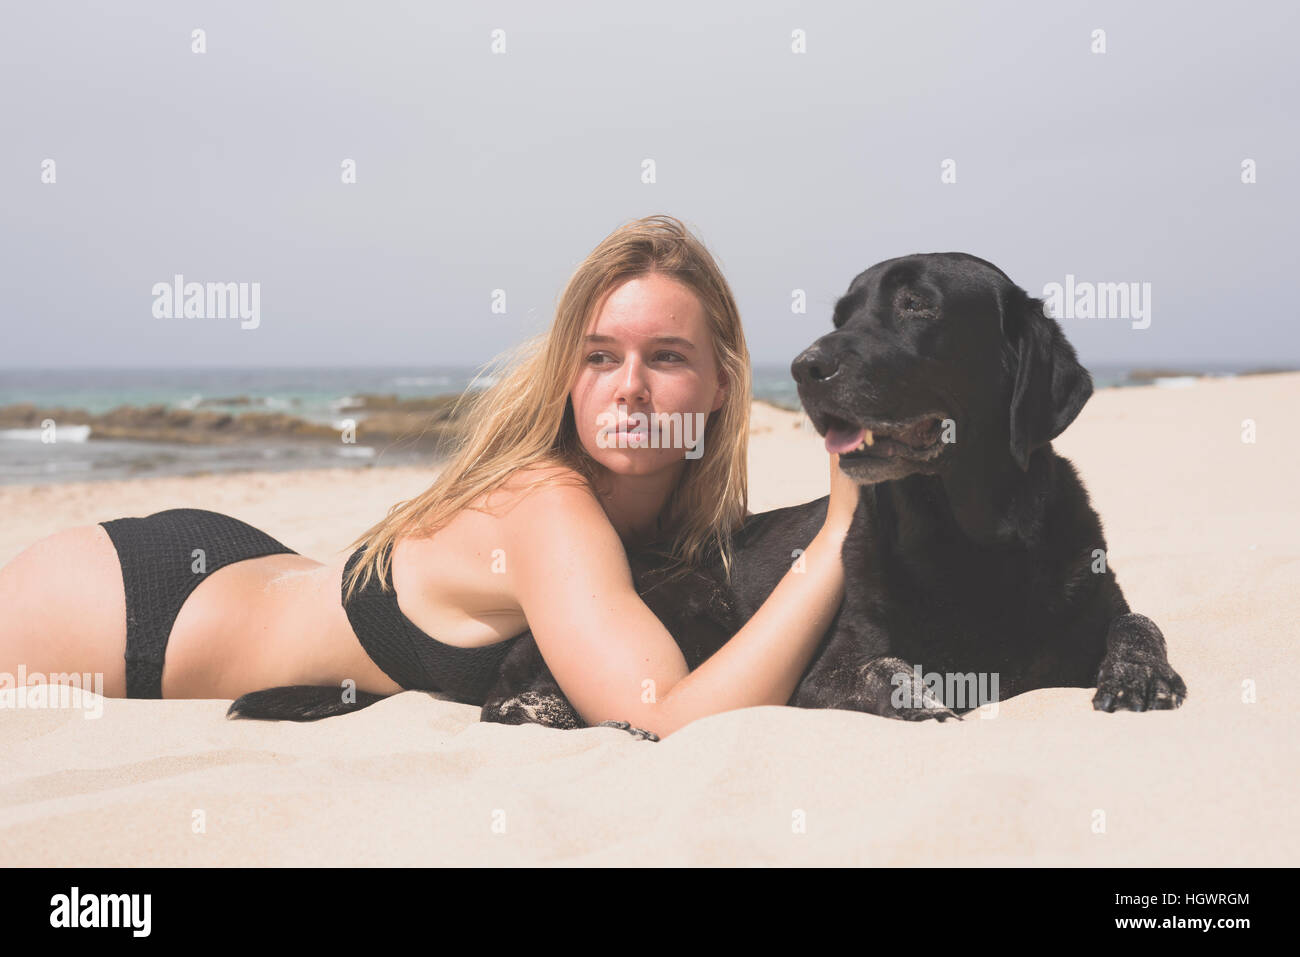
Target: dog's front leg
<point>854,673</point>
<point>1135,673</point>
<point>526,692</point>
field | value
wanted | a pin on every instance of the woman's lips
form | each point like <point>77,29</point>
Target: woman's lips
<point>620,435</point>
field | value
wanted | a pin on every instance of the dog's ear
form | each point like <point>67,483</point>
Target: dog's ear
<point>1050,384</point>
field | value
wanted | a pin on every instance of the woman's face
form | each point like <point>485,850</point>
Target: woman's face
<point>649,352</point>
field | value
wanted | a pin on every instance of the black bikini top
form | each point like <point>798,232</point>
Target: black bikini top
<point>416,661</point>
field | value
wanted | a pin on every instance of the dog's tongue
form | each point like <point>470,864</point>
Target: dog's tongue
<point>841,440</point>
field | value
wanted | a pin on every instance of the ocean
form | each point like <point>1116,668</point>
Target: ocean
<point>31,452</point>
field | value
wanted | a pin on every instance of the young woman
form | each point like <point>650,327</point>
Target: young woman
<point>525,528</point>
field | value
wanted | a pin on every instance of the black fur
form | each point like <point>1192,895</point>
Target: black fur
<point>298,703</point>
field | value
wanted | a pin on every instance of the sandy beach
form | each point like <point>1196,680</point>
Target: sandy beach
<point>1204,534</point>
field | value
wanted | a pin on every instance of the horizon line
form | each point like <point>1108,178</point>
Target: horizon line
<point>1293,365</point>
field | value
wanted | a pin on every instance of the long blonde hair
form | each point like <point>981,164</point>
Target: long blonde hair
<point>526,418</point>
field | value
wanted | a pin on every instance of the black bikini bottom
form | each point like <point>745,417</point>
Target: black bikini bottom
<point>164,557</point>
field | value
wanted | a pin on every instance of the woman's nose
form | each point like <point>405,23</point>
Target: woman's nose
<point>632,386</point>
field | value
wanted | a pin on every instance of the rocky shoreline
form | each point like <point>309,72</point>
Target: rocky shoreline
<point>421,422</point>
<point>425,421</point>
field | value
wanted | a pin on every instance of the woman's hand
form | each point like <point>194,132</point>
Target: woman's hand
<point>844,500</point>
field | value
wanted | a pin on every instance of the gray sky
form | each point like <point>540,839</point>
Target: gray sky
<point>478,171</point>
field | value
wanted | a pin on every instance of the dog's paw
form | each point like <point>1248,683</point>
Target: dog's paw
<point>932,708</point>
<point>532,707</point>
<point>893,690</point>
<point>1138,686</point>
<point>937,711</point>
<point>638,733</point>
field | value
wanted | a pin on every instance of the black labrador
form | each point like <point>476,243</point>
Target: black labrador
<point>974,563</point>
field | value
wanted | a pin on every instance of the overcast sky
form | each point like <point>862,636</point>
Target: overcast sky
<point>478,170</point>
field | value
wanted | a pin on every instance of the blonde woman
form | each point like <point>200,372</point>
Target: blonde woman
<point>525,528</point>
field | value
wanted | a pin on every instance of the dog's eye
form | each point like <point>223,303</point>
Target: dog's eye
<point>914,306</point>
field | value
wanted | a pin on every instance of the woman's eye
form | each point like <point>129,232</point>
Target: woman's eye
<point>595,357</point>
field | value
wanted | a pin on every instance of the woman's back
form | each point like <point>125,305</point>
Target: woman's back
<point>285,615</point>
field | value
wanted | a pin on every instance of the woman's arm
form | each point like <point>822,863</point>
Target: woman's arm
<point>612,657</point>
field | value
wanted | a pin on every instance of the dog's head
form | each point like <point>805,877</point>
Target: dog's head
<point>936,360</point>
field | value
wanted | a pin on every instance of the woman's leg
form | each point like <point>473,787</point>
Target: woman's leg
<point>63,610</point>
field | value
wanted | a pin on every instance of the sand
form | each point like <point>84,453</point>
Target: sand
<point>1202,531</point>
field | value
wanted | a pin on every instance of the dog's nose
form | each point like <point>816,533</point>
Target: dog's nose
<point>813,365</point>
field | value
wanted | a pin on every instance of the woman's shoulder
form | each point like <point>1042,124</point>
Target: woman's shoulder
<point>530,474</point>
<point>539,486</point>
<point>558,522</point>
<point>529,479</point>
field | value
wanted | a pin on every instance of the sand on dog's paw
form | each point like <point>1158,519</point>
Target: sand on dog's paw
<point>1126,685</point>
<point>639,733</point>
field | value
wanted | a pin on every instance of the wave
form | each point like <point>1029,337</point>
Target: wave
<point>62,433</point>
<point>421,380</point>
